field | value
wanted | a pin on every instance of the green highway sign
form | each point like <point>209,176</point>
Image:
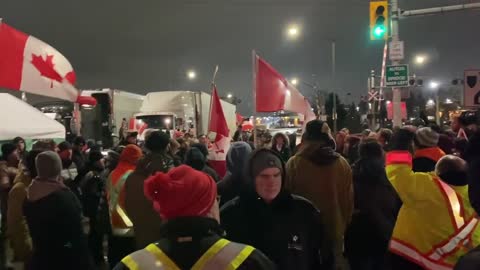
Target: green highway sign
<point>397,76</point>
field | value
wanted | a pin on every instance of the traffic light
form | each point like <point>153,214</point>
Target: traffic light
<point>378,20</point>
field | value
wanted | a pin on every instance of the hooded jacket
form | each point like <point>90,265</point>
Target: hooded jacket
<point>289,230</point>
<point>324,177</point>
<point>237,158</point>
<point>17,229</point>
<point>285,151</point>
<point>425,159</point>
<point>196,159</point>
<point>58,243</point>
<point>376,209</point>
<point>146,222</point>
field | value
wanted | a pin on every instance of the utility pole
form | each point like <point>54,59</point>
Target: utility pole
<point>334,107</point>
<point>397,94</point>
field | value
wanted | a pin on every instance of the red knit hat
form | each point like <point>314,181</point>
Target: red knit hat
<point>131,154</point>
<point>182,192</point>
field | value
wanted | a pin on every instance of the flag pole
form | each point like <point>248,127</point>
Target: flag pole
<point>254,89</point>
<point>212,86</point>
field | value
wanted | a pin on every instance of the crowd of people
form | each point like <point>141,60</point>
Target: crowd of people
<point>401,199</point>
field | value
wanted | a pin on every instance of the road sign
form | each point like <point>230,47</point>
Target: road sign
<point>396,51</point>
<point>397,76</point>
<point>372,95</point>
<point>471,90</point>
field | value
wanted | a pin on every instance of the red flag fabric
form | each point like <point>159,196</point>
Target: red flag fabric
<point>31,65</point>
<point>274,93</point>
<point>217,155</point>
<point>239,119</point>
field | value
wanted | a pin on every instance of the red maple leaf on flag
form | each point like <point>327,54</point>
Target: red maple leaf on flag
<point>46,68</point>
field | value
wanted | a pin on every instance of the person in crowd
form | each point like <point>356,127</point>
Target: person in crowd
<point>427,153</point>
<point>366,134</point>
<point>203,140</point>
<point>281,145</point>
<point>111,160</point>
<point>182,151</point>
<point>140,211</point>
<point>207,169</point>
<point>195,159</point>
<point>376,209</point>
<point>8,171</point>
<point>436,224</point>
<point>45,145</point>
<point>69,171</point>
<point>292,138</point>
<point>54,219</point>
<point>172,151</point>
<point>21,147</point>
<point>287,228</point>
<point>78,157</point>
<point>384,137</point>
<point>471,261</point>
<point>460,146</point>
<point>122,241</point>
<point>234,181</point>
<point>191,236</point>
<point>445,142</point>
<point>324,177</point>
<point>340,140</point>
<point>350,150</point>
<point>131,138</point>
<point>17,229</point>
<point>237,136</point>
<point>94,204</point>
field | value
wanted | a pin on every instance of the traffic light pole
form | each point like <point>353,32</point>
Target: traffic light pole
<point>397,94</point>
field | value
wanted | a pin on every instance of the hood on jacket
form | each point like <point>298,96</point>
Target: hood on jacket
<point>195,159</point>
<point>370,169</point>
<point>318,153</point>
<point>285,139</point>
<point>42,187</point>
<point>433,153</point>
<point>237,158</point>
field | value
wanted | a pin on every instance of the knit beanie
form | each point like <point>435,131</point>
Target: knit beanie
<point>182,192</point>
<point>64,146</point>
<point>7,149</point>
<point>427,137</point>
<point>94,156</point>
<point>131,154</point>
<point>157,141</point>
<point>264,159</point>
<point>49,165</point>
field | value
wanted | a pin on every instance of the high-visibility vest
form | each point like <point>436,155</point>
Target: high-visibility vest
<point>116,208</point>
<point>460,238</point>
<point>221,255</point>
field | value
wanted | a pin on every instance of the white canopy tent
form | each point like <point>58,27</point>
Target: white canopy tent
<point>18,118</point>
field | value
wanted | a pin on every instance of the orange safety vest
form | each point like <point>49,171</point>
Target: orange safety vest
<point>435,259</point>
<point>221,255</point>
<point>121,223</point>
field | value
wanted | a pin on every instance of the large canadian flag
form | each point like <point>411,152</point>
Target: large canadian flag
<point>31,65</point>
<point>218,126</point>
<point>274,93</point>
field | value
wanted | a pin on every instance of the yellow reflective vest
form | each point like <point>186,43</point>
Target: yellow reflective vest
<point>436,224</point>
<point>221,255</point>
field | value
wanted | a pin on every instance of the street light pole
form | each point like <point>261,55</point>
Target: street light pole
<point>334,107</point>
<point>397,94</point>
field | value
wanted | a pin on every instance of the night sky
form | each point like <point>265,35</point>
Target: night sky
<point>148,45</point>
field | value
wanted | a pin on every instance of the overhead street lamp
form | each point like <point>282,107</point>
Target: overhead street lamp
<point>294,81</point>
<point>293,31</point>
<point>191,74</point>
<point>229,96</point>
<point>420,59</point>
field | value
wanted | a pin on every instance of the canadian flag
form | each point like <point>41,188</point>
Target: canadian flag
<point>31,65</point>
<point>273,93</point>
<point>217,126</point>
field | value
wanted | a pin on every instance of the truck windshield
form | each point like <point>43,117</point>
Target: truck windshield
<point>158,121</point>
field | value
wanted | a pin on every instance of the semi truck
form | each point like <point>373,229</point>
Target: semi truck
<point>184,110</point>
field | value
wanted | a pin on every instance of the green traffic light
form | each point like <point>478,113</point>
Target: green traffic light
<point>379,31</point>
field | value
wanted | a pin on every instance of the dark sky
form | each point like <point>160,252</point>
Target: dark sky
<point>147,45</point>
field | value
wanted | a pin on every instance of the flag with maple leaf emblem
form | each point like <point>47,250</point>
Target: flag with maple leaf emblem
<point>218,127</point>
<point>29,64</point>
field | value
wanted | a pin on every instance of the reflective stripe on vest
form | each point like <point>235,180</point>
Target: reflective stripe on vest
<point>409,252</point>
<point>221,255</point>
<point>114,197</point>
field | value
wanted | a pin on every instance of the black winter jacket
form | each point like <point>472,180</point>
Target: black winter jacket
<point>376,209</point>
<point>204,233</point>
<point>58,239</point>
